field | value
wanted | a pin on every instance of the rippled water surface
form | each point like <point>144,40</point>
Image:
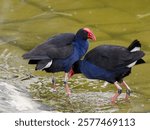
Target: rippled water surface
<point>26,23</point>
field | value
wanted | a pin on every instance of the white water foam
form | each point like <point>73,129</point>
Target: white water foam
<point>13,99</point>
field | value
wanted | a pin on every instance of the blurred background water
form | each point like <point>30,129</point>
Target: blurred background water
<point>27,23</point>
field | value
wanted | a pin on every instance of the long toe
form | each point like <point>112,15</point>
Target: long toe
<point>126,97</point>
<point>114,98</point>
<point>69,94</point>
<point>104,84</point>
<point>128,92</point>
<point>68,91</point>
<point>53,90</point>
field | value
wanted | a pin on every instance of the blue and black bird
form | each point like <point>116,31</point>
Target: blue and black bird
<point>60,52</point>
<point>110,63</point>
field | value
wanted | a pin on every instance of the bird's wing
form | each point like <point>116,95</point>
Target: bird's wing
<point>110,57</point>
<point>59,46</point>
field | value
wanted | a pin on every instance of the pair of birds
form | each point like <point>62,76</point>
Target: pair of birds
<point>105,62</point>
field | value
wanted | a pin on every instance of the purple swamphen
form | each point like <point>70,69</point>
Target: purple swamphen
<point>110,63</point>
<point>60,52</point>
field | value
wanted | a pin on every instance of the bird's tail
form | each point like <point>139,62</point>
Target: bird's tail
<point>136,46</point>
<point>140,61</point>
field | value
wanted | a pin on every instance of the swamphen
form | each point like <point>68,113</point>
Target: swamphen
<point>60,52</point>
<point>110,63</point>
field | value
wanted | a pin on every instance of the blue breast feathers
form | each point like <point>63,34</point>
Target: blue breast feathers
<point>80,48</point>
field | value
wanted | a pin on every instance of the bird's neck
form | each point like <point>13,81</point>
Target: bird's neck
<point>81,46</point>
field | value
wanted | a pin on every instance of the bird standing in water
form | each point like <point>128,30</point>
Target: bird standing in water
<point>110,63</point>
<point>60,52</point>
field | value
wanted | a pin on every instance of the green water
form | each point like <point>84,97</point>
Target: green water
<point>26,23</point>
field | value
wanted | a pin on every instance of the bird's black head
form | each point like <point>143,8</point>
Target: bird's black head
<point>75,69</point>
<point>85,33</point>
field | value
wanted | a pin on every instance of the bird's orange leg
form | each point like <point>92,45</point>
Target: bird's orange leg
<point>66,85</point>
<point>104,84</point>
<point>128,90</point>
<point>54,87</point>
<point>114,98</point>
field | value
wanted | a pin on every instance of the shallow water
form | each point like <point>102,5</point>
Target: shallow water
<point>24,24</point>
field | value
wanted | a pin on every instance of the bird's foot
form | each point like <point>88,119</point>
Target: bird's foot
<point>114,98</point>
<point>104,84</point>
<point>68,91</point>
<point>127,98</point>
<point>113,102</point>
<point>53,90</point>
<point>128,92</point>
<point>68,94</point>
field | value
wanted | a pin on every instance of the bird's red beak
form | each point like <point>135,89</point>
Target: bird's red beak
<point>90,34</point>
<point>71,73</point>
